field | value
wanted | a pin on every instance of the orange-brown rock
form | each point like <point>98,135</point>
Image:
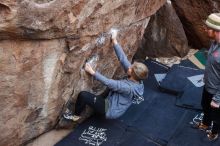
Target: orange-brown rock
<point>164,36</point>
<point>193,13</point>
<point>44,46</point>
<point>47,19</point>
<point>30,72</point>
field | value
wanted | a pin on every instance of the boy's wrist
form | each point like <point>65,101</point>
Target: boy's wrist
<point>115,42</point>
<point>92,72</point>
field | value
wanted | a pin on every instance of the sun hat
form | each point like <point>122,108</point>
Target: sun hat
<point>213,21</point>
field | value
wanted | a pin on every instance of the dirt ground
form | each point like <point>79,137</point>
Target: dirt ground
<point>50,138</point>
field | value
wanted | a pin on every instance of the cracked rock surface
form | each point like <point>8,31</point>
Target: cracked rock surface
<point>43,47</point>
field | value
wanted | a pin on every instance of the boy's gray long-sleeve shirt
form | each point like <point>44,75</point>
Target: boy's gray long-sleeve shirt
<point>212,72</point>
<point>122,92</point>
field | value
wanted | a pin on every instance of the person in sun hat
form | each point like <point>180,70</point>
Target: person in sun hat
<point>122,92</point>
<point>213,21</point>
<point>211,93</point>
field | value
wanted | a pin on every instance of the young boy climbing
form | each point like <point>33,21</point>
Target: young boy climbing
<point>122,92</point>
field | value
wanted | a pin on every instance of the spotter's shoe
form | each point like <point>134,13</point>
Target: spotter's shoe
<point>211,136</point>
<point>201,126</point>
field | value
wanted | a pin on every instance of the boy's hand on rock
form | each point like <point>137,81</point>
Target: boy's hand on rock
<point>114,33</point>
<point>89,69</point>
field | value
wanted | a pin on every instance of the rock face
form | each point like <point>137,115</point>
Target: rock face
<point>44,45</point>
<point>30,73</point>
<point>192,13</point>
<point>164,36</point>
<point>47,19</point>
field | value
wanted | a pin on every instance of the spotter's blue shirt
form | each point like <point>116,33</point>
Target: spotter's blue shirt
<point>212,72</point>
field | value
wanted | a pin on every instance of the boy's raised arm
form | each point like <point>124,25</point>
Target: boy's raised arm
<point>119,51</point>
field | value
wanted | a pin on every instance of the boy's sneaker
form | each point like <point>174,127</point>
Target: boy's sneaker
<point>201,126</point>
<point>211,136</point>
<point>69,116</point>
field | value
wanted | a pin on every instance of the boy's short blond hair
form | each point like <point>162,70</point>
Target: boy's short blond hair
<point>139,71</point>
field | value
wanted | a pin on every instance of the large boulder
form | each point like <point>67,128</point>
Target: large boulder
<point>30,72</point>
<point>193,13</point>
<point>45,44</point>
<point>164,36</point>
<point>47,19</point>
